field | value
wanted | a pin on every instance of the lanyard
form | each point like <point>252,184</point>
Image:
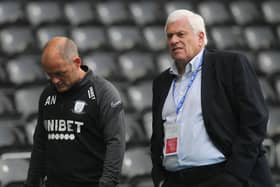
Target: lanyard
<point>182,100</point>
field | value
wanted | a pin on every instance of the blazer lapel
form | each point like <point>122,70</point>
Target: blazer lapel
<point>206,85</point>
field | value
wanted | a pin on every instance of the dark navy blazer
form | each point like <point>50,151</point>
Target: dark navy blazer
<point>234,113</point>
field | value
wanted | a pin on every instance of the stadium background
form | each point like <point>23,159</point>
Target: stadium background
<point>124,42</point>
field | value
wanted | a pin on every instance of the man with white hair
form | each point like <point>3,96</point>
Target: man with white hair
<point>209,114</point>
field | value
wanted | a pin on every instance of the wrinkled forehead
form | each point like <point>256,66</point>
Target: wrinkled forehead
<point>55,67</point>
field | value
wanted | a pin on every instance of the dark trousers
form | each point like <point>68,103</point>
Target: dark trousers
<point>202,176</point>
<point>59,183</point>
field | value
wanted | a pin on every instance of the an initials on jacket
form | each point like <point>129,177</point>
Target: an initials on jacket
<point>50,100</point>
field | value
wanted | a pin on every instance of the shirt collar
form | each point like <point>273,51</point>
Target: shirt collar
<point>190,67</point>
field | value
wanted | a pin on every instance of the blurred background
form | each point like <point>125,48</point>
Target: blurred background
<point>124,42</point>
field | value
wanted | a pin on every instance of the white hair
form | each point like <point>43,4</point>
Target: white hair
<point>195,20</point>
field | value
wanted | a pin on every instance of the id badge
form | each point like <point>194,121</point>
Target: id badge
<point>171,139</point>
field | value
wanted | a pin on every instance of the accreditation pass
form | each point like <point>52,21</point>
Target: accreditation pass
<point>171,139</point>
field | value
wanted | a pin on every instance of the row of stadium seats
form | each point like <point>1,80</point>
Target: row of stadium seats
<point>137,12</point>
<point>22,39</point>
<point>126,66</point>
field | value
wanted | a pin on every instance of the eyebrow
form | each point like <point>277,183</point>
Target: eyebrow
<point>56,73</point>
<point>178,32</point>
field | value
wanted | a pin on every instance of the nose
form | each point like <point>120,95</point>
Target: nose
<point>55,80</point>
<point>173,39</point>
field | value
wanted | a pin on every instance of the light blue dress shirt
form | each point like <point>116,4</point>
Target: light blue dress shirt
<point>195,147</point>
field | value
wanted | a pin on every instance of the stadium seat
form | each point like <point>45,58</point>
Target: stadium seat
<point>136,65</point>
<point>147,123</point>
<point>79,13</point>
<point>17,39</point>
<point>45,33</point>
<point>89,38</point>
<point>155,38</point>
<point>102,63</point>
<point>113,12</point>
<point>228,37</point>
<point>25,69</point>
<point>163,61</point>
<point>10,137</point>
<point>29,128</point>
<point>146,12</point>
<point>137,162</point>
<point>276,84</point>
<point>170,6</point>
<point>3,74</point>
<point>259,37</point>
<point>267,90</point>
<point>210,41</point>
<point>26,100</point>
<point>7,107</point>
<point>124,37</point>
<point>13,171</point>
<point>214,12</point>
<point>271,11</point>
<point>11,12</point>
<point>134,133</point>
<point>245,12</point>
<point>273,128</point>
<point>140,95</point>
<point>43,12</point>
<point>268,62</point>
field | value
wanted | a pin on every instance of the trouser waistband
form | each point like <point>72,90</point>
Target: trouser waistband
<point>197,174</point>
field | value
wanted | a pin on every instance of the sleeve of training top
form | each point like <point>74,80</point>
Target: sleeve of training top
<point>112,119</point>
<point>36,170</point>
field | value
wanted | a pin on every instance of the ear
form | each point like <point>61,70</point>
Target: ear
<point>201,38</point>
<point>77,61</point>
